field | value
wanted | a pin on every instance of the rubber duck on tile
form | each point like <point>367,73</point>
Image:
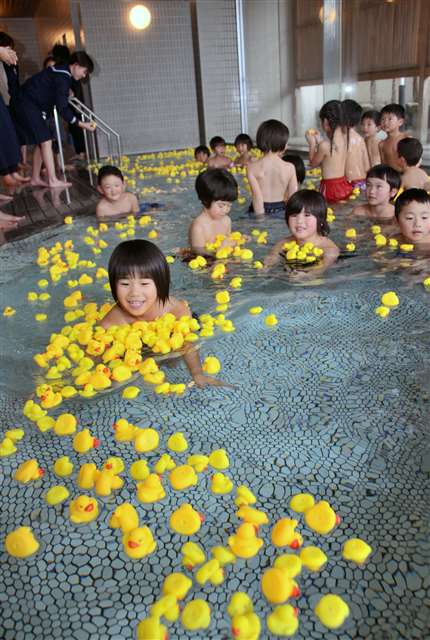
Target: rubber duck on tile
<point>196,615</point>
<point>151,629</point>
<point>332,611</point>
<point>87,475</point>
<point>125,517</point>
<point>33,411</point>
<point>211,572</point>
<point>7,447</point>
<point>63,467</point>
<point>138,543</point>
<point>277,587</point>
<point>221,483</point>
<point>21,543</point>
<point>240,603</point>
<point>50,399</point>
<point>177,584</point>
<point>192,555</point>
<point>218,459</point>
<point>15,434</point>
<point>165,463</point>
<point>356,550</point>
<point>166,607</point>
<point>254,516</point>
<point>124,431</point>
<point>244,496</point>
<point>114,464</point>
<point>185,520</point>
<point>65,424</point>
<point>139,470</point>
<point>313,558</point>
<point>28,471</point>
<point>283,621</point>
<point>301,502</point>
<point>198,461</point>
<point>290,564</point>
<point>223,555</point>
<point>246,626</point>
<point>150,489</point>
<point>146,440</point>
<point>284,534</point>
<point>56,495</point>
<point>321,517</point>
<point>183,477</point>
<point>244,543</point>
<point>83,509</point>
<point>84,441</point>
<point>177,442</point>
<point>106,482</point>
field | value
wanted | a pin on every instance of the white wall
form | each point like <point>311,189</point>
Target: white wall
<point>23,31</point>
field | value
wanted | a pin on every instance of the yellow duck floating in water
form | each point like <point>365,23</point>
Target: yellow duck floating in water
<point>139,543</point>
<point>283,621</point>
<point>332,611</point>
<point>84,441</point>
<point>244,543</point>
<point>284,534</point>
<point>21,543</point>
<point>183,477</point>
<point>185,520</point>
<point>28,471</point>
<point>83,509</point>
<point>321,518</point>
<point>192,555</point>
<point>356,550</point>
<point>151,489</point>
<point>196,615</point>
<point>277,587</point>
<point>151,629</point>
<point>63,467</point>
<point>125,517</point>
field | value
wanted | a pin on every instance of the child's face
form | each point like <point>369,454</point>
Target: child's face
<point>219,209</point>
<point>136,296</point>
<point>414,222</point>
<point>368,127</point>
<point>241,147</point>
<point>302,225</point>
<point>390,122</point>
<point>111,188</point>
<point>219,150</point>
<point>78,72</point>
<point>378,191</point>
<point>201,156</point>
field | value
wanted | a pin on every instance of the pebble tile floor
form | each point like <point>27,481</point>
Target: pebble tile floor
<point>333,401</point>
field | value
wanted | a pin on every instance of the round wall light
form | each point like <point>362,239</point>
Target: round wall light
<point>140,16</point>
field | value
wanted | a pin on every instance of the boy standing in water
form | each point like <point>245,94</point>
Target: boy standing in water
<point>370,125</point>
<point>392,118</point>
<point>219,160</point>
<point>357,159</point>
<point>410,151</point>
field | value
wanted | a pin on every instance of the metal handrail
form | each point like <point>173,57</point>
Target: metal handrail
<point>101,124</point>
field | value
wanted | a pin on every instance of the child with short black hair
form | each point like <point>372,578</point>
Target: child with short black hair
<point>272,180</point>
<point>216,190</point>
<point>115,201</point>
<point>410,151</point>
<point>219,160</point>
<point>306,217</point>
<point>392,119</point>
<point>139,278</point>
<point>201,154</point>
<point>412,211</point>
<point>299,165</point>
<point>357,159</point>
<point>243,144</point>
<point>382,185</point>
<point>370,125</point>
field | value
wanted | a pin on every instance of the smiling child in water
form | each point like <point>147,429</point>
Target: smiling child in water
<point>306,217</point>
<point>412,211</point>
<point>139,278</point>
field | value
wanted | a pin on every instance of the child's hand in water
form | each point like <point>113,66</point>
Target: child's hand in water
<point>201,380</point>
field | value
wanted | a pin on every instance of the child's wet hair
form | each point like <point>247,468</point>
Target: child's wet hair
<point>411,195</point>
<point>312,202</point>
<point>139,259</point>
<point>394,108</point>
<point>298,163</point>
<point>351,112</point>
<point>216,141</point>
<point>216,184</point>
<point>272,135</point>
<point>243,138</point>
<point>411,150</point>
<point>109,170</point>
<point>373,115</point>
<point>332,112</point>
<point>386,173</point>
<point>201,149</point>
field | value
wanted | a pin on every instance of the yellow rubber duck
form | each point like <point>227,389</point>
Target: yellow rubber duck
<point>165,463</point>
<point>301,502</point>
<point>166,607</point>
<point>124,431</point>
<point>146,440</point>
<point>63,467</point>
<point>83,509</point>
<point>177,584</point>
<point>183,477</point>
<point>7,447</point>
<point>198,461</point>
<point>291,565</point>
<point>244,496</point>
<point>244,543</point>
<point>106,481</point>
<point>150,489</point>
<point>240,603</point>
<point>254,516</point>
<point>84,441</point>
<point>139,470</point>
<point>223,555</point>
<point>283,621</point>
<point>185,520</point>
<point>313,558</point>
<point>21,543</point>
<point>356,550</point>
<point>125,517</point>
<point>218,459</point>
<point>86,476</point>
<point>114,464</point>
<point>177,442</point>
<point>211,365</point>
<point>196,615</point>
<point>57,495</point>
<point>332,611</point>
<point>321,517</point>
<point>28,471</point>
<point>277,587</point>
<point>246,626</point>
<point>151,629</point>
<point>192,555</point>
<point>138,543</point>
<point>221,483</point>
<point>33,411</point>
<point>284,534</point>
<point>211,572</point>
<point>65,424</point>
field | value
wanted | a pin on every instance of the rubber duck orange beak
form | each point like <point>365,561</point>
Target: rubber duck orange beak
<point>338,519</point>
<point>108,466</point>
<point>295,593</point>
<point>294,544</point>
<point>202,518</point>
<point>235,632</point>
<point>132,544</point>
<point>89,508</point>
<point>296,611</point>
<point>41,473</point>
<point>96,442</point>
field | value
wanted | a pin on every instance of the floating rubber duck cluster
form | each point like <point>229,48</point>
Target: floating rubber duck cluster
<point>389,300</point>
<point>306,253</point>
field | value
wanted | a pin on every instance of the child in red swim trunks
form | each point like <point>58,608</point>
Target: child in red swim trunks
<point>330,154</point>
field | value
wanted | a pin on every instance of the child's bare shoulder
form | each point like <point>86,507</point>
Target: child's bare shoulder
<point>113,317</point>
<point>103,208</point>
<point>360,210</point>
<point>179,308</point>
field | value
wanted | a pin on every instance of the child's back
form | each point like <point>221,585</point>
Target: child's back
<point>414,177</point>
<point>410,151</point>
<point>357,159</point>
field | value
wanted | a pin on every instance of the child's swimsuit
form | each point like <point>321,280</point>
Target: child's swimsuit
<point>275,209</point>
<point>335,189</point>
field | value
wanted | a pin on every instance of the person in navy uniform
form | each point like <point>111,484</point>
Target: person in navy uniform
<point>37,98</point>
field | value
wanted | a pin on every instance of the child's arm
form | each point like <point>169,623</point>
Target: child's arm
<point>330,255</point>
<point>196,235</point>
<point>365,157</point>
<point>317,151</point>
<point>274,257</point>
<point>101,209</point>
<point>292,185</point>
<point>257,196</point>
<point>134,204</point>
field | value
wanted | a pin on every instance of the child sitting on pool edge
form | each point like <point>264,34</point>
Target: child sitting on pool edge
<point>216,190</point>
<point>382,184</point>
<point>412,211</point>
<point>306,217</point>
<point>139,278</point>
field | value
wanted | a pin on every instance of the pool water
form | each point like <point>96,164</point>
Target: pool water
<point>333,401</point>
